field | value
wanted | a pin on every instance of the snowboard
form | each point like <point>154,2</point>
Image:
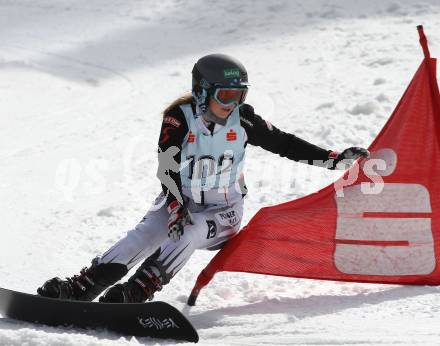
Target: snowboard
<point>153,319</point>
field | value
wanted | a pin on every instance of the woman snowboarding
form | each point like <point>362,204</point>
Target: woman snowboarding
<point>201,154</point>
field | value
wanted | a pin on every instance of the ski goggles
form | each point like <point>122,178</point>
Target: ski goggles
<point>229,96</point>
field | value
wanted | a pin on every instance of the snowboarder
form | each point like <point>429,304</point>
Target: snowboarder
<point>201,153</point>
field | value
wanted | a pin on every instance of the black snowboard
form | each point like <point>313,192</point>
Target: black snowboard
<point>155,319</point>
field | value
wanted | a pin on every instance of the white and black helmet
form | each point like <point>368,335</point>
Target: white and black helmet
<point>217,71</point>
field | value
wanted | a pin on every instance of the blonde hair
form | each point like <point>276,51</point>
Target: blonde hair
<point>186,98</point>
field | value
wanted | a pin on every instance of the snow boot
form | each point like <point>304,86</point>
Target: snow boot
<point>86,286</point>
<point>139,288</point>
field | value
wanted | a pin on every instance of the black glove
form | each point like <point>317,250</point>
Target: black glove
<point>348,156</point>
<point>179,217</point>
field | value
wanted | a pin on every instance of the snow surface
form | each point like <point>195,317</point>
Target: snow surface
<point>82,84</point>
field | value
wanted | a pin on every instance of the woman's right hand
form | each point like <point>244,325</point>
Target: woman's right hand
<point>347,157</point>
<point>179,217</point>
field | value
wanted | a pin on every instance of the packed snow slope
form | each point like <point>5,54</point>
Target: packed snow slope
<point>82,86</point>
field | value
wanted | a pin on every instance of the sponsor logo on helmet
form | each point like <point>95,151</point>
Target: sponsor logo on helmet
<point>204,83</point>
<point>232,73</point>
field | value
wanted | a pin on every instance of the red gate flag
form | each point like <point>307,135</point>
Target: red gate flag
<point>379,223</point>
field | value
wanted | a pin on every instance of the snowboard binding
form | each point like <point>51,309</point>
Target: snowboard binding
<point>139,288</point>
<point>86,286</point>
